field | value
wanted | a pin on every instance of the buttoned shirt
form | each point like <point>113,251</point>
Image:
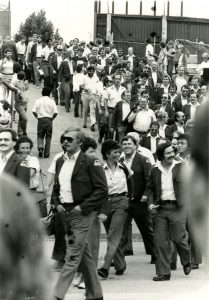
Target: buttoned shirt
<point>167,189</point>
<point>114,95</point>
<point>65,177</point>
<point>153,142</point>
<point>162,130</point>
<point>46,51</point>
<point>90,84</point>
<point>193,110</point>
<point>39,50</point>
<point>125,110</point>
<point>4,159</point>
<point>143,120</point>
<point>21,48</point>
<point>45,107</point>
<point>116,180</point>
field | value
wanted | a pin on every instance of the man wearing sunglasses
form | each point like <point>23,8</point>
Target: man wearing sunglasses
<point>166,107</point>
<point>80,188</point>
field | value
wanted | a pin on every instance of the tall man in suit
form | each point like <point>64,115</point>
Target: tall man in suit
<point>151,140</point>
<point>35,59</point>
<point>139,167</point>
<point>191,109</point>
<point>165,200</point>
<point>10,162</point>
<point>55,62</point>
<point>80,188</point>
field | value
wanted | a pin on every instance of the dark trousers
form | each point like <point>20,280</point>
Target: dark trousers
<point>54,89</point>
<point>66,91</point>
<point>78,255</point>
<point>59,250</point>
<point>22,123</point>
<point>44,132</point>
<point>77,101</point>
<point>170,224</point>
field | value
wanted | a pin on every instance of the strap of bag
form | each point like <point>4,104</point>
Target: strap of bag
<point>42,182</point>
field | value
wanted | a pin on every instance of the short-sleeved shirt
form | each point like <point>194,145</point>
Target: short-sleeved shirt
<point>116,180</point>
<point>45,107</point>
<point>114,95</point>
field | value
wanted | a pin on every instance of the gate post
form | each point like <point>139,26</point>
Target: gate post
<point>108,28</point>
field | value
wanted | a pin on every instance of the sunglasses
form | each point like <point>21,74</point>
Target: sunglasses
<point>165,98</point>
<point>67,138</point>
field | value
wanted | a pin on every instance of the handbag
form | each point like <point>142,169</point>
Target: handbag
<point>41,198</point>
<point>49,223</point>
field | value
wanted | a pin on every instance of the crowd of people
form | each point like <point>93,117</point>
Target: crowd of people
<point>145,110</point>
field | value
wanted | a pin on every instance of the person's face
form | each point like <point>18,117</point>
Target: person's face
<point>24,149</point>
<point>172,90</point>
<point>181,117</point>
<point>154,66</point>
<point>154,130</point>
<point>6,142</point>
<point>114,155</point>
<point>23,40</point>
<point>182,146</point>
<point>107,50</point>
<point>181,71</point>
<point>146,95</point>
<point>193,99</point>
<point>195,82</point>
<point>59,52</point>
<point>130,51</point>
<point>8,54</point>
<point>143,80</point>
<point>49,43</point>
<point>203,90</point>
<point>102,52</point>
<point>127,96</point>
<point>174,143</point>
<point>35,38</point>
<point>184,92</point>
<point>90,73</point>
<point>117,80</point>
<point>80,53</point>
<point>164,99</point>
<point>94,52</point>
<point>71,142</point>
<point>165,81</point>
<point>39,39</point>
<point>120,52</point>
<point>91,152</point>
<point>143,103</point>
<point>165,118</point>
<point>205,58</point>
<point>169,155</point>
<point>75,41</point>
<point>128,147</point>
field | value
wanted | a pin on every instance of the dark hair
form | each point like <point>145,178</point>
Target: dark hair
<point>161,148</point>
<point>129,137</point>
<point>144,92</point>
<point>23,139</point>
<point>144,74</point>
<point>185,86</point>
<point>79,68</point>
<point>172,86</point>
<point>162,44</point>
<point>187,137</point>
<point>13,133</point>
<point>107,147</point>
<point>119,66</point>
<point>5,105</point>
<point>21,75</point>
<point>90,68</point>
<point>8,50</point>
<point>46,91</point>
<point>155,123</point>
<point>16,67</point>
<point>87,143</point>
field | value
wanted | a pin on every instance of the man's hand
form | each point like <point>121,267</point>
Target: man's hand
<point>153,208</point>
<point>60,208</point>
<point>144,199</point>
<point>111,129</point>
<point>77,207</point>
<point>102,218</point>
<point>106,114</point>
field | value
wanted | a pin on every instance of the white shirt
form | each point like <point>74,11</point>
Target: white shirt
<point>33,163</point>
<point>125,110</point>
<point>59,60</point>
<point>153,142</point>
<point>65,176</point>
<point>193,110</point>
<point>167,189</point>
<point>4,159</point>
<point>78,79</point>
<point>131,60</point>
<point>39,50</point>
<point>52,168</point>
<point>162,130</point>
<point>184,101</point>
<point>128,162</point>
<point>21,47</point>
<point>180,81</point>
<point>45,107</point>
<point>90,84</point>
<point>46,51</point>
<point>103,62</point>
<point>143,120</point>
<point>116,181</point>
<point>149,50</point>
<point>180,128</point>
<point>114,95</point>
<point>154,77</point>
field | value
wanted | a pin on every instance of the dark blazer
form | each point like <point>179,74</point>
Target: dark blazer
<point>153,190</point>
<point>118,115</point>
<point>15,167</point>
<point>33,52</point>
<point>173,128</point>
<point>88,182</point>
<point>187,111</point>
<point>108,71</point>
<point>170,110</point>
<point>177,104</point>
<point>146,142</point>
<point>135,62</point>
<point>64,71</point>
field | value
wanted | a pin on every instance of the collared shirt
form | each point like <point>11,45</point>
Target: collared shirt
<point>4,159</point>
<point>90,83</point>
<point>162,130</point>
<point>116,180</point>
<point>143,120</point>
<point>180,81</point>
<point>59,60</point>
<point>193,110</point>
<point>180,128</point>
<point>78,79</point>
<point>21,47</point>
<point>45,107</point>
<point>184,101</point>
<point>65,177</point>
<point>128,161</point>
<point>167,189</point>
<point>46,51</point>
<point>39,50</point>
<point>114,95</point>
<point>153,142</point>
<point>131,60</point>
<point>172,98</point>
<point>125,110</point>
<point>103,62</point>
<point>154,77</point>
<point>7,66</point>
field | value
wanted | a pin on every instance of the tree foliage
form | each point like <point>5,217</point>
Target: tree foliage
<point>36,23</point>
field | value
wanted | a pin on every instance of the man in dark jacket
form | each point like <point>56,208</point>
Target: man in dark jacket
<point>80,188</point>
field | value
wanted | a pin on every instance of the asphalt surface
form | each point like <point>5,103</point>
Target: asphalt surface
<point>137,281</point>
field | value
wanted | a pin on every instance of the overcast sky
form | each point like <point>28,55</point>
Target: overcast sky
<point>75,18</point>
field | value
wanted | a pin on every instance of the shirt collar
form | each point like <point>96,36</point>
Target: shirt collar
<point>157,136</point>
<point>74,156</point>
<point>163,170</point>
<point>7,156</point>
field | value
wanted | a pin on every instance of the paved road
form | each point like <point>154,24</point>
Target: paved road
<point>137,282</point>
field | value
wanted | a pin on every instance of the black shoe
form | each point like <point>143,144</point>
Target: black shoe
<point>162,277</point>
<point>92,128</point>
<point>153,260</point>
<point>194,266</point>
<point>84,126</point>
<point>187,269</point>
<point>128,252</point>
<point>120,272</point>
<point>102,272</point>
<point>173,266</point>
<point>40,153</point>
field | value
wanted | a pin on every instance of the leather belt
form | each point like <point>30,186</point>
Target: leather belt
<point>164,202</point>
<point>68,206</point>
<point>118,195</point>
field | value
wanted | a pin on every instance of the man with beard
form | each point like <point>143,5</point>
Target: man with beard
<point>165,200</point>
